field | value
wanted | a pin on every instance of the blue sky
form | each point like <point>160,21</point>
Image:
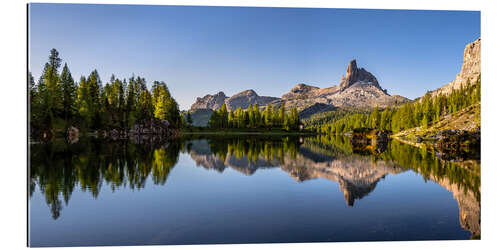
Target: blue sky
<point>203,50</point>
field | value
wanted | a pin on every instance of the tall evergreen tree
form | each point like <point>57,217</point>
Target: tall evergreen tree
<point>68,94</point>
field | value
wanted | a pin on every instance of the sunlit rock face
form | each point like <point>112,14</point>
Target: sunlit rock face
<point>471,69</point>
<point>212,102</point>
<point>247,98</point>
<point>354,74</point>
<point>358,89</point>
<point>239,100</point>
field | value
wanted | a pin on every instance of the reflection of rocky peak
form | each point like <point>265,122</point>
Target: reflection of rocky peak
<point>353,192</point>
<point>242,165</point>
<point>469,205</point>
<point>247,166</point>
<point>201,154</point>
<point>356,175</point>
<point>354,74</point>
<point>209,162</point>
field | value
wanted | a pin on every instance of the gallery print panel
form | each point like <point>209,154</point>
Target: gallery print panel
<point>171,125</point>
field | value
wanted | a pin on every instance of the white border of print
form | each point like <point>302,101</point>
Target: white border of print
<point>13,125</point>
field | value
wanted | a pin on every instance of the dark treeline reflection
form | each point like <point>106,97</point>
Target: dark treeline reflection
<point>58,168</point>
<point>254,148</point>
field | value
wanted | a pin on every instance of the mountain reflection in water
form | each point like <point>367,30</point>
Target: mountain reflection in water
<point>58,168</point>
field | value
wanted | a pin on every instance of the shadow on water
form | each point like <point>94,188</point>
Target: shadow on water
<point>57,168</point>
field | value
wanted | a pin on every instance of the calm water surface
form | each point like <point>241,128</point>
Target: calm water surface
<point>246,190</point>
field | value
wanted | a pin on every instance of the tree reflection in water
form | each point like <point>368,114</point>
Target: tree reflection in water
<point>57,168</point>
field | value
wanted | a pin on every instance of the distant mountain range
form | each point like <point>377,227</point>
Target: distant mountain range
<point>358,89</point>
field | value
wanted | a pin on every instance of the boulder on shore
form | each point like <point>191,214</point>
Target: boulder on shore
<point>72,134</point>
<point>458,143</point>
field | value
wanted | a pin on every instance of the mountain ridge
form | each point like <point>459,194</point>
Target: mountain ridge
<point>358,88</point>
<point>470,71</point>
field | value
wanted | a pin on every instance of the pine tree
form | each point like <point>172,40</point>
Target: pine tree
<point>189,119</point>
<point>282,115</point>
<point>223,116</point>
<point>53,96</point>
<point>268,116</point>
<point>68,94</point>
<point>94,92</point>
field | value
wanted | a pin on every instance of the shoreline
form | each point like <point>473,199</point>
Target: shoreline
<point>244,133</point>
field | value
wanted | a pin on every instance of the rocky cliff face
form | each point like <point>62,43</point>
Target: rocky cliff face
<point>246,98</point>
<point>240,100</point>
<point>300,90</point>
<point>354,74</point>
<point>471,69</point>
<point>209,101</point>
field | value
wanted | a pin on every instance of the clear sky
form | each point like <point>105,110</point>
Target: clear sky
<point>203,50</point>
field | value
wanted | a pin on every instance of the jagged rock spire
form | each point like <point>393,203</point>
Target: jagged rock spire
<point>354,74</point>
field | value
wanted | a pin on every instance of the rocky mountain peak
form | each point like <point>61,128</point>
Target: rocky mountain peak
<point>358,89</point>
<point>239,100</point>
<point>220,93</point>
<point>210,101</point>
<point>471,69</point>
<point>301,87</point>
<point>354,74</point>
<point>248,92</point>
<point>247,98</point>
<point>299,90</point>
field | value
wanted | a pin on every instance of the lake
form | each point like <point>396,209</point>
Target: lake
<point>246,189</point>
